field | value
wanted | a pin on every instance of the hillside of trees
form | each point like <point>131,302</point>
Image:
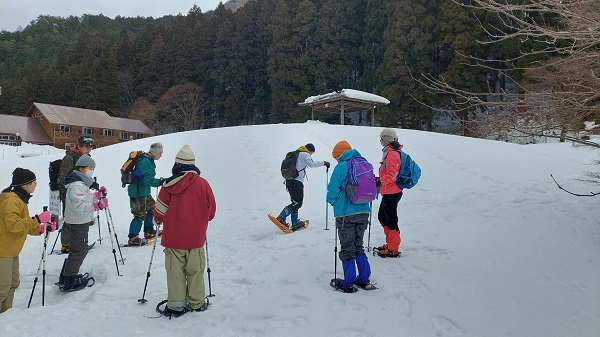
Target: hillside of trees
<point>254,65</point>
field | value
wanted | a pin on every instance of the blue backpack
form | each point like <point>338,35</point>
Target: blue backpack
<point>360,184</point>
<point>410,172</point>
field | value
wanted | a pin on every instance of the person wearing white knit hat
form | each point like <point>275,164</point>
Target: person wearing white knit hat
<point>185,156</point>
<point>185,206</point>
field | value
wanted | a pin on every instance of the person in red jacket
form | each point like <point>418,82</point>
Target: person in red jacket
<point>390,193</point>
<point>185,205</point>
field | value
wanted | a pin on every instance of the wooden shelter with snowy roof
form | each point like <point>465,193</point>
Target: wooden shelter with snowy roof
<point>346,100</point>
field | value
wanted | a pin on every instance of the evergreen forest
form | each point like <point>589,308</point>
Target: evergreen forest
<point>254,65</point>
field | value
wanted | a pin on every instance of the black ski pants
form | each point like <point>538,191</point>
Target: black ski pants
<point>388,210</point>
<point>296,190</point>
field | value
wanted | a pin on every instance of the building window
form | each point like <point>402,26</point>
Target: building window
<point>65,128</point>
<point>37,115</point>
<point>86,131</point>
<point>124,135</point>
<point>107,132</point>
<point>139,136</point>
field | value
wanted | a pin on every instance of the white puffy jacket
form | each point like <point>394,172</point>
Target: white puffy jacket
<point>79,201</point>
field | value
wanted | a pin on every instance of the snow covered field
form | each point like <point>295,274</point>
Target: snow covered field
<point>490,245</point>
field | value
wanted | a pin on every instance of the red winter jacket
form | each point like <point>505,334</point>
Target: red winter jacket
<point>185,205</point>
<point>388,171</point>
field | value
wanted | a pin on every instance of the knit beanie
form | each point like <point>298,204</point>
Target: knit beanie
<point>339,148</point>
<point>388,135</point>
<point>22,177</point>
<point>310,147</point>
<point>185,156</point>
<point>85,161</point>
<point>156,148</point>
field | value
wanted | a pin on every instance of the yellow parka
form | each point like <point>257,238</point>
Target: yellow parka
<point>15,224</point>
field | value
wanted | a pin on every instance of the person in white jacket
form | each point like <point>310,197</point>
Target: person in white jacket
<point>295,186</point>
<point>79,214</point>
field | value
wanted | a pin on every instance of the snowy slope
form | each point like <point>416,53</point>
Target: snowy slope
<point>491,247</point>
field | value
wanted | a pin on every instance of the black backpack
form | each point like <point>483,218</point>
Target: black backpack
<point>53,174</point>
<point>288,165</point>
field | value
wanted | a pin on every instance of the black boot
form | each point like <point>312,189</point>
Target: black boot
<point>77,282</point>
<point>61,277</point>
<point>70,283</point>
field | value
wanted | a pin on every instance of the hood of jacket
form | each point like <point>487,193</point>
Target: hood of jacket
<point>76,175</point>
<point>180,183</point>
<point>302,149</point>
<point>349,154</point>
<point>7,195</point>
<point>73,151</point>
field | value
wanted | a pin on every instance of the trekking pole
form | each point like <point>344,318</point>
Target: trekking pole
<point>370,218</point>
<point>210,294</point>
<point>335,259</point>
<point>42,262</point>
<point>56,240</point>
<point>143,300</point>
<point>326,205</point>
<point>99,235</point>
<point>107,209</point>
<point>98,223</point>
<point>110,236</point>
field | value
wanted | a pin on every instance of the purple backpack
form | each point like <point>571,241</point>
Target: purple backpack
<point>360,187</point>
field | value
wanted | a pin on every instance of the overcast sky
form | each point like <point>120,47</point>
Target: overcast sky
<point>15,13</point>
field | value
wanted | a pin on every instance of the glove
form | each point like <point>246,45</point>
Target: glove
<point>326,163</point>
<point>43,217</point>
<point>103,203</point>
<point>103,191</point>
<point>377,182</point>
<point>95,186</point>
<point>95,206</point>
<point>50,227</point>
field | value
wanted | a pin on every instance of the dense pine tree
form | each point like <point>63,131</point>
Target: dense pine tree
<point>253,65</point>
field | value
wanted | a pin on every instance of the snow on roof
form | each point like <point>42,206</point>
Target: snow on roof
<point>349,93</point>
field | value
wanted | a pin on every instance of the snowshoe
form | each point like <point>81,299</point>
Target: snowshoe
<point>366,285</point>
<point>77,282</point>
<point>385,253</point>
<point>336,284</point>
<point>300,225</point>
<point>136,241</point>
<point>170,312</point>
<point>203,307</point>
<point>283,227</point>
<point>151,233</point>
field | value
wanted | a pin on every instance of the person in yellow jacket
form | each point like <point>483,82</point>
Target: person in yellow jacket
<point>15,224</point>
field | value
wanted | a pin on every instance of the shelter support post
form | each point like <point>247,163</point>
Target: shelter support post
<point>373,116</point>
<point>342,113</point>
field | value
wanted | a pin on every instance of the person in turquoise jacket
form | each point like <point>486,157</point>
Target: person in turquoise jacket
<point>351,221</point>
<point>140,198</point>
